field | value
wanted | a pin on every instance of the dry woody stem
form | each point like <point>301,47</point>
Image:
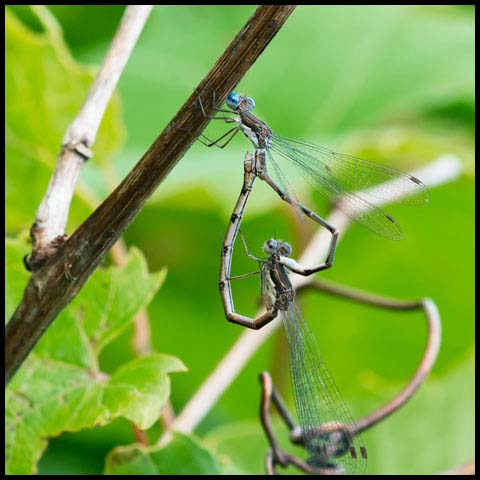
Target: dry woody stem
<point>59,279</point>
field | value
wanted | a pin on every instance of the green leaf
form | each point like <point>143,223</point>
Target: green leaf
<point>138,390</point>
<point>182,456</point>
<point>245,443</point>
<point>433,432</point>
<point>60,387</point>
<point>108,304</point>
<point>44,90</point>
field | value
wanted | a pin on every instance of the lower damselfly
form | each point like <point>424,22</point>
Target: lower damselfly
<point>327,427</point>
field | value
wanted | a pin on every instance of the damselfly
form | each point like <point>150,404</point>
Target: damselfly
<point>327,428</point>
<point>332,174</point>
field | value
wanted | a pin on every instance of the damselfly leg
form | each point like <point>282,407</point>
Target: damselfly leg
<point>229,135</point>
<point>334,175</point>
<point>251,171</point>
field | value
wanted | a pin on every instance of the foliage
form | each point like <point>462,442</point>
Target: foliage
<point>61,388</point>
<point>182,456</point>
<point>390,84</point>
<point>44,89</point>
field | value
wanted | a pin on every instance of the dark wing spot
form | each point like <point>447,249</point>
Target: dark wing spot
<point>415,180</point>
<point>353,452</point>
<point>363,451</point>
<point>391,219</point>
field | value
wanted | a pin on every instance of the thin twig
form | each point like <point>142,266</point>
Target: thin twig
<point>141,330</point>
<point>142,345</point>
<point>279,457</point>
<point>140,435</point>
<point>167,417</point>
<point>443,170</point>
<point>49,289</point>
<point>48,229</point>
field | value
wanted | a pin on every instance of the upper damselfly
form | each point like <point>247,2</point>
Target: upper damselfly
<point>333,175</point>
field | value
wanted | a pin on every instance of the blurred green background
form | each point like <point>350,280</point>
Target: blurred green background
<point>389,84</point>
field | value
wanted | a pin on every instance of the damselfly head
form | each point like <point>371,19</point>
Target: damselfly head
<point>273,246</point>
<point>238,102</point>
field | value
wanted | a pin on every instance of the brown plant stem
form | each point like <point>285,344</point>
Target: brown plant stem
<point>61,277</point>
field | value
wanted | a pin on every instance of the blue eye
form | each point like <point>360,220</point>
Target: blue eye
<point>233,100</point>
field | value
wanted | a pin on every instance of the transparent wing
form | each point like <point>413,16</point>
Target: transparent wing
<point>285,185</point>
<point>335,175</point>
<point>318,401</point>
<point>353,173</point>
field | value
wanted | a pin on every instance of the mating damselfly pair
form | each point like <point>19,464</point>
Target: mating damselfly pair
<point>326,424</point>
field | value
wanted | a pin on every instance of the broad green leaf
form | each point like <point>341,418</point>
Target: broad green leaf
<point>245,443</point>
<point>44,90</point>
<point>138,390</point>
<point>60,387</point>
<point>182,456</point>
<point>108,304</point>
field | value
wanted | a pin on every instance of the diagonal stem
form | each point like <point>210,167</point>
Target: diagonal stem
<point>60,278</point>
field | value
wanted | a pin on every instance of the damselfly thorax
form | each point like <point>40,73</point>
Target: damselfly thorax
<point>258,132</point>
<point>281,292</point>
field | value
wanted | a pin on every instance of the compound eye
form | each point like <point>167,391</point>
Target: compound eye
<point>286,249</point>
<point>270,246</point>
<point>233,100</point>
<point>251,102</point>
